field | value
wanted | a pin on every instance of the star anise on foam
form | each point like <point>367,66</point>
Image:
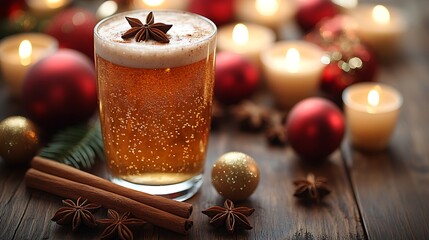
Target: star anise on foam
<point>119,226</point>
<point>150,30</point>
<point>76,213</point>
<point>311,188</point>
<point>230,216</point>
<point>251,116</point>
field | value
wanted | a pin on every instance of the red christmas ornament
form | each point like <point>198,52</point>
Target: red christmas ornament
<point>350,61</point>
<point>338,75</point>
<point>236,78</point>
<point>60,90</point>
<point>10,8</point>
<point>74,28</point>
<point>219,11</point>
<point>315,128</point>
<point>311,12</point>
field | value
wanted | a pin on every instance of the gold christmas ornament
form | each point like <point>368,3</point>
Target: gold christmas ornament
<point>235,176</point>
<point>19,140</point>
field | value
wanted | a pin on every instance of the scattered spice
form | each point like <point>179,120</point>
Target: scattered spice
<point>76,213</point>
<point>311,188</point>
<point>276,131</point>
<point>150,30</point>
<point>250,116</point>
<point>230,216</point>
<point>118,227</point>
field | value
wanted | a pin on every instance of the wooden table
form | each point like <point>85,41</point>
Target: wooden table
<point>374,196</point>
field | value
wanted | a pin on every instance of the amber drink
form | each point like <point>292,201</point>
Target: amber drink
<point>155,102</point>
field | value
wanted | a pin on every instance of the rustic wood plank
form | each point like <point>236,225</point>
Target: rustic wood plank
<point>392,206</point>
<point>278,214</point>
<point>391,186</point>
<point>36,223</point>
<point>13,199</point>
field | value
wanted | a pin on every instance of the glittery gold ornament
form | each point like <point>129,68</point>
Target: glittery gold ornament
<point>19,140</point>
<point>235,175</point>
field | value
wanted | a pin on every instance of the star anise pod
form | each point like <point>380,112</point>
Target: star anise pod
<point>118,227</point>
<point>250,116</point>
<point>150,30</point>
<point>311,188</point>
<point>232,217</point>
<point>276,131</point>
<point>76,213</point>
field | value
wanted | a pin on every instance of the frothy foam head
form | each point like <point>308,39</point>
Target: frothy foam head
<point>192,38</point>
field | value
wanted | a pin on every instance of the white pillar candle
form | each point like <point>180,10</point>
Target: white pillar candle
<point>247,39</point>
<point>161,4</point>
<point>46,6</point>
<point>371,111</point>
<point>382,28</point>
<point>270,13</point>
<point>19,52</point>
<point>293,70</point>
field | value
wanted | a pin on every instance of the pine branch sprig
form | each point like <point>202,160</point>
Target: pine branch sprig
<point>77,146</point>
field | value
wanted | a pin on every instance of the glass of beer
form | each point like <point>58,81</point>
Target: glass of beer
<point>155,102</point>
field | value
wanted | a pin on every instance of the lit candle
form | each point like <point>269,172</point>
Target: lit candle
<point>46,6</point>
<point>20,52</point>
<point>247,39</point>
<point>380,27</point>
<point>161,4</point>
<point>270,13</point>
<point>293,70</point>
<point>371,111</point>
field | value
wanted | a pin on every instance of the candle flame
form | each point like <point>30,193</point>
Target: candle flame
<point>293,59</point>
<point>153,3</point>
<point>373,98</point>
<point>381,14</point>
<point>240,34</point>
<point>267,7</point>
<point>54,3</point>
<point>25,50</point>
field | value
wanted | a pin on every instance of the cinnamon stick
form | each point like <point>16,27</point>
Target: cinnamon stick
<point>70,189</point>
<point>181,209</point>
